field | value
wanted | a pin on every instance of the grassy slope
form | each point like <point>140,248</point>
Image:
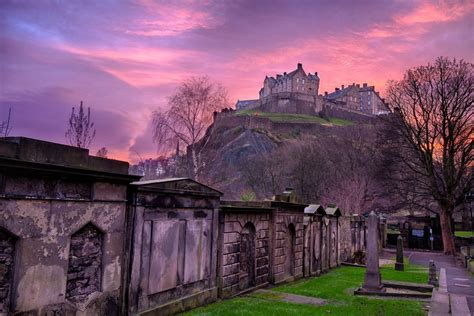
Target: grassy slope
<point>301,118</point>
<point>336,286</point>
<point>464,234</point>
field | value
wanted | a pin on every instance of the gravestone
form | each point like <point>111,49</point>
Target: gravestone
<point>372,280</point>
<point>433,280</point>
<point>399,266</point>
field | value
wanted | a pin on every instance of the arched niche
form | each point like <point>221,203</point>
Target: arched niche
<point>247,256</point>
<point>85,263</point>
<point>7,265</point>
<point>290,250</point>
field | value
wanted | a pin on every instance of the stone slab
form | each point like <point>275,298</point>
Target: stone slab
<point>439,304</point>
<point>459,305</point>
<point>297,299</point>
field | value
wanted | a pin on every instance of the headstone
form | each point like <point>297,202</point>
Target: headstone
<point>433,280</point>
<point>372,280</point>
<point>399,266</point>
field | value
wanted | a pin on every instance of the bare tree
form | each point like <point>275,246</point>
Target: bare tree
<point>103,152</point>
<point>81,130</point>
<point>433,108</point>
<point>190,113</point>
<point>5,127</point>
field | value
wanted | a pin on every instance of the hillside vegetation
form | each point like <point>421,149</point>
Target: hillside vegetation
<point>333,162</point>
<point>295,118</point>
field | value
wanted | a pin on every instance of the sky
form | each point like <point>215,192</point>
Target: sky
<point>123,58</point>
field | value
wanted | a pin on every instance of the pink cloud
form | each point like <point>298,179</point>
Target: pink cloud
<point>444,11</point>
<point>172,19</point>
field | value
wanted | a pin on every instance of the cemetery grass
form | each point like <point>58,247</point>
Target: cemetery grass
<point>336,287</point>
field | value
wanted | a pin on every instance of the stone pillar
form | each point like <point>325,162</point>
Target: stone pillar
<point>433,280</point>
<point>399,266</point>
<point>372,280</point>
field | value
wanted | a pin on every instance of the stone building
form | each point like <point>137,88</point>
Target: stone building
<point>296,81</point>
<point>293,92</point>
<point>62,215</point>
<point>354,97</point>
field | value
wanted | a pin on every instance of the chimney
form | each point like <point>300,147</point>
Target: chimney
<point>325,93</point>
<point>316,73</point>
<point>358,85</point>
<point>300,66</point>
<point>342,86</point>
<point>284,73</point>
<point>337,89</point>
<point>365,85</point>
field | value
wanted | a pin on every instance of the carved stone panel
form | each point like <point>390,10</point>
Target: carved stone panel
<point>197,247</point>
<point>163,273</point>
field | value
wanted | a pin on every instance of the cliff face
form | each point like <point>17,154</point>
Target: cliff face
<point>233,149</point>
<point>225,151</point>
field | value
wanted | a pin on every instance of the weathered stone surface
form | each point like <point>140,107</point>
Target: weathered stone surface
<point>163,273</point>
<point>85,264</point>
<point>399,266</point>
<point>197,251</point>
<point>433,279</point>
<point>7,251</point>
<point>373,279</point>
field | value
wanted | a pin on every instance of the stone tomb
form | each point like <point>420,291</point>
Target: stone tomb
<point>173,253</point>
<point>332,214</point>
<point>358,233</point>
<point>313,221</point>
<point>245,246</point>
<point>287,241</point>
<point>62,216</point>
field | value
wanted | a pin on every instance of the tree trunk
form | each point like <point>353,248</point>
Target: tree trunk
<point>447,232</point>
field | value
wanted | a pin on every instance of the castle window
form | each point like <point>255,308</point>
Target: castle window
<point>303,81</point>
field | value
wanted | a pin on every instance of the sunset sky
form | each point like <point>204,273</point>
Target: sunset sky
<point>122,58</point>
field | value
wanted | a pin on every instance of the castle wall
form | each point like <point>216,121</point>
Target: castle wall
<point>333,110</point>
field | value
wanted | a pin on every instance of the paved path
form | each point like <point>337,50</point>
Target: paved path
<point>459,283</point>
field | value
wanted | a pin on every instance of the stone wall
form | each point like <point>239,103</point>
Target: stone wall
<point>85,263</point>
<point>78,238</point>
<point>7,261</point>
<point>48,192</point>
<point>288,242</point>
<point>241,267</point>
<point>173,254</point>
<point>333,110</point>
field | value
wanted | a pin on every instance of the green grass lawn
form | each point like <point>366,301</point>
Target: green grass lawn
<point>464,233</point>
<point>288,117</point>
<point>336,286</point>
